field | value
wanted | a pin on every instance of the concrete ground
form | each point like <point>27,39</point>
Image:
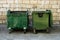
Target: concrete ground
<point>4,35</point>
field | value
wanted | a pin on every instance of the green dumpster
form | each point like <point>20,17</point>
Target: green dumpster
<point>17,20</point>
<point>42,20</point>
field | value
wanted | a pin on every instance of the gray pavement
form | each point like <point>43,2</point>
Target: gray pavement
<point>4,35</point>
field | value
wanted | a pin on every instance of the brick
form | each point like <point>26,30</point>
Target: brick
<point>56,22</point>
<point>46,6</point>
<point>4,12</point>
<point>16,1</point>
<point>4,21</point>
<point>0,17</point>
<point>58,10</point>
<point>54,10</point>
<point>26,6</point>
<point>54,14</point>
<point>11,8</point>
<point>59,17</point>
<point>41,9</point>
<point>1,5</point>
<point>22,5</point>
<point>0,13</point>
<point>33,2</point>
<point>55,18</point>
<point>10,1</point>
<point>59,2</point>
<point>42,2</point>
<point>24,9</point>
<point>29,6</point>
<point>3,1</point>
<point>3,9</point>
<point>55,6</point>
<point>6,5</point>
<point>25,1</point>
<point>46,2</point>
<point>59,14</point>
<point>0,21</point>
<point>16,9</point>
<point>40,6</point>
<point>20,1</point>
<point>14,5</point>
<point>39,2</point>
<point>3,17</point>
<point>19,9</point>
<point>53,2</point>
<point>11,5</point>
<point>50,6</point>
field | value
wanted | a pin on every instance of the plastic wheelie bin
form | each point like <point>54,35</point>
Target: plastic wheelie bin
<point>17,20</point>
<point>42,20</point>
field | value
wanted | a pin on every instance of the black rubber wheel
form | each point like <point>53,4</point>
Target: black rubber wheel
<point>10,31</point>
<point>34,31</point>
<point>24,31</point>
<point>48,30</point>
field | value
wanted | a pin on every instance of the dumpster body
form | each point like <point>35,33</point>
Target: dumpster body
<point>17,20</point>
<point>42,20</point>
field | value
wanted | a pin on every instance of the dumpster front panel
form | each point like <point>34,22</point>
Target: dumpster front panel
<point>17,19</point>
<point>40,23</point>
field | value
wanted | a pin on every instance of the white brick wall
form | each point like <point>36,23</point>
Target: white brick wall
<point>14,5</point>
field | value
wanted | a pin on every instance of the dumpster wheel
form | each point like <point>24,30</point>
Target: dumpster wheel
<point>10,31</point>
<point>34,31</point>
<point>24,31</point>
<point>48,30</point>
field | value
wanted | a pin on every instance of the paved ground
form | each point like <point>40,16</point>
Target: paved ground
<point>4,35</point>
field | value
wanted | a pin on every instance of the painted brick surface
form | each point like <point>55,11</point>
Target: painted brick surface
<point>53,5</point>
